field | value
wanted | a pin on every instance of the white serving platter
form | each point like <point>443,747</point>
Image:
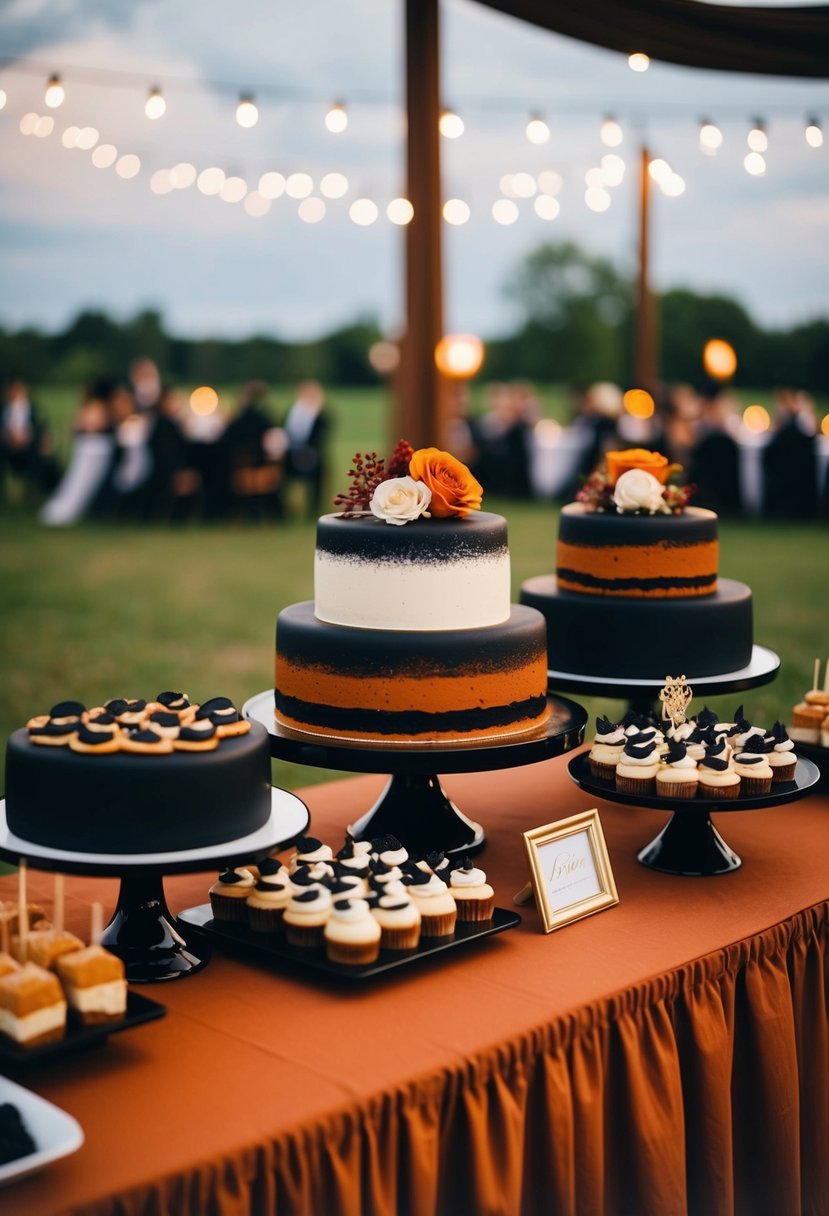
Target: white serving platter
<point>55,1132</point>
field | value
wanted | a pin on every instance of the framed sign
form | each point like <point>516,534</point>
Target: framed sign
<point>571,874</point>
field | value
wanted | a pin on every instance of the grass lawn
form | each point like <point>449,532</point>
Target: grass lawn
<point>97,611</point>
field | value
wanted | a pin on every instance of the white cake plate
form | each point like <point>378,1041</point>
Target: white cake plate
<point>142,931</point>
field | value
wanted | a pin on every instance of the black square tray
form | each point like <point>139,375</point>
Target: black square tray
<point>78,1037</point>
<point>274,949</point>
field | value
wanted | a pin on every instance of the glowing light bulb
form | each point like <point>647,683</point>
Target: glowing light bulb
<point>44,126</point>
<point>719,359</point>
<point>3,98</point>
<point>55,94</point>
<point>334,185</point>
<point>256,204</point>
<point>28,123</point>
<point>336,120</point>
<point>597,198</point>
<point>128,166</point>
<point>299,185</point>
<point>400,211</point>
<point>271,185</point>
<point>311,210</point>
<point>87,138</point>
<point>638,403</point>
<point>613,169</point>
<point>546,207</point>
<point>639,61</point>
<point>594,177</point>
<point>104,156</point>
<point>710,137</point>
<point>659,169</point>
<point>456,211</point>
<point>155,105</point>
<point>233,189</point>
<point>450,125</point>
<point>210,181</point>
<point>757,139</point>
<point>69,139</point>
<point>247,113</point>
<point>161,181</point>
<point>459,355</point>
<point>523,185</point>
<point>363,212</point>
<point>549,182</point>
<point>504,211</point>
<point>814,134</point>
<point>611,132</point>
<point>756,419</point>
<point>755,164</point>
<point>204,400</point>
<point>673,186</point>
<point>183,175</point>
<point>537,130</point>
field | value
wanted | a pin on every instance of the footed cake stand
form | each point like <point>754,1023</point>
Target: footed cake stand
<point>142,931</point>
<point>413,807</point>
<point>689,844</point>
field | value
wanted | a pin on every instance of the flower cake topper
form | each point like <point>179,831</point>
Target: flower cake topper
<point>635,481</point>
<point>675,698</point>
<point>426,483</point>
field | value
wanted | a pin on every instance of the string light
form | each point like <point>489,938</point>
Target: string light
<point>523,185</point>
<point>400,211</point>
<point>550,182</point>
<point>161,182</point>
<point>613,169</point>
<point>450,125</point>
<point>155,104</point>
<point>334,185</point>
<point>756,419</point>
<point>814,133</point>
<point>183,175</point>
<point>546,207</point>
<point>298,185</point>
<point>710,137</point>
<point>597,198</point>
<point>673,186</point>
<point>459,355</point>
<point>210,181</point>
<point>363,212</point>
<point>719,359</point>
<point>233,189</point>
<point>311,210</point>
<point>104,156</point>
<point>757,139</point>
<point>611,132</point>
<point>336,120</point>
<point>247,114</point>
<point>755,164</point>
<point>594,178</point>
<point>3,98</point>
<point>456,211</point>
<point>55,94</point>
<point>504,211</point>
<point>537,130</point>
<point>69,139</point>
<point>87,138</point>
<point>271,185</point>
<point>638,403</point>
<point>256,204</point>
<point>28,123</point>
<point>659,170</point>
<point>639,62</point>
<point>128,166</point>
<point>44,126</point>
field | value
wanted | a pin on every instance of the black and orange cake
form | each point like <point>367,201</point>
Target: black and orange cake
<point>114,778</point>
<point>411,638</point>
<point>637,594</point>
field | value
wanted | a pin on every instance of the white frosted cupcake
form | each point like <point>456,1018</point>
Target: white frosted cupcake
<point>309,850</point>
<point>399,921</point>
<point>437,907</point>
<point>473,895</point>
<point>717,778</point>
<point>677,778</point>
<point>266,904</point>
<point>754,770</point>
<point>229,894</point>
<point>391,852</point>
<point>637,769</point>
<point>306,916</point>
<point>608,745</point>
<point>352,934</point>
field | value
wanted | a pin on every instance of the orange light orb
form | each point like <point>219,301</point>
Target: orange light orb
<point>204,400</point>
<point>459,356</point>
<point>756,419</point>
<point>639,403</point>
<point>719,359</point>
<point>824,426</point>
<point>384,357</point>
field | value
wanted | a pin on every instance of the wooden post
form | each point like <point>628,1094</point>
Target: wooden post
<point>646,361</point>
<point>420,413</point>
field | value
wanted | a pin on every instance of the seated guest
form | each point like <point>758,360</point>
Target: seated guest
<point>25,442</point>
<point>714,464</point>
<point>306,425</point>
<point>254,477</point>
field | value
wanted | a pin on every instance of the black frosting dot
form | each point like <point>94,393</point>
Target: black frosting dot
<point>376,866</point>
<point>67,709</point>
<point>210,707</point>
<point>417,878</point>
<point>348,849</point>
<point>390,844</point>
<point>307,844</point>
<point>94,738</point>
<point>117,706</point>
<point>229,877</point>
<point>271,865</point>
<point>434,859</point>
<point>186,733</point>
<point>395,907</point>
<point>342,905</point>
<point>135,706</point>
<point>145,736</point>
<point>301,878</point>
<point>269,886</point>
<point>749,759</point>
<point>54,730</point>
<point>104,720</point>
<point>173,698</point>
<point>162,719</point>
<point>339,888</point>
<point>308,897</point>
<point>464,864</point>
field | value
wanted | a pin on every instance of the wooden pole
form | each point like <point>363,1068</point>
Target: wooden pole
<point>420,413</point>
<point>646,361</point>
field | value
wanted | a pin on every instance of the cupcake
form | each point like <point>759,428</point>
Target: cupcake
<point>716,778</point>
<point>266,904</point>
<point>753,768</point>
<point>271,868</point>
<point>353,856</point>
<point>472,893</point>
<point>637,769</point>
<point>306,915</point>
<point>309,850</point>
<point>229,893</point>
<point>399,921</point>
<point>391,851</point>
<point>352,934</point>
<point>677,778</point>
<point>436,904</point>
<point>607,749</point>
<point>743,732</point>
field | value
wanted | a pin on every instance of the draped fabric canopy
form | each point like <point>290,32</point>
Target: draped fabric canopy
<point>774,41</point>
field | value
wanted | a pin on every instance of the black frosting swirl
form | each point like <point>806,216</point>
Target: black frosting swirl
<point>186,733</point>
<point>348,849</point>
<point>676,751</point>
<point>308,897</point>
<point>746,758</point>
<point>117,706</point>
<point>779,733</point>
<point>760,745</point>
<point>307,844</point>
<point>436,861</point>
<point>390,844</point>
<point>301,878</point>
<point>163,719</point>
<point>643,752</point>
<point>67,709</point>
<point>338,888</point>
<point>417,878</point>
<point>342,905</point>
<point>738,714</point>
<point>706,718</point>
<point>230,877</point>
<point>271,865</point>
<point>642,737</point>
<point>605,727</point>
<point>54,730</point>
<point>94,738</point>
<point>716,757</point>
<point>269,886</point>
<point>464,865</point>
<point>134,707</point>
<point>377,866</point>
<point>103,720</point>
<point>173,700</point>
<point>213,705</point>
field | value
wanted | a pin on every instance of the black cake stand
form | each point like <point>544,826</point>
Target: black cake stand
<point>689,844</point>
<point>142,931</point>
<point>413,807</point>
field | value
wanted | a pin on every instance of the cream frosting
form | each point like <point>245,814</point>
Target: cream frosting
<point>240,889</point>
<point>612,738</point>
<point>351,921</point>
<point>396,913</point>
<point>467,878</point>
<point>604,753</point>
<point>276,896</point>
<point>714,779</point>
<point>672,774</point>
<point>638,769</point>
<point>314,912</point>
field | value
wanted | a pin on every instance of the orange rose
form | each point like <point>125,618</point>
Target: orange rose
<point>454,490</point>
<point>637,458</point>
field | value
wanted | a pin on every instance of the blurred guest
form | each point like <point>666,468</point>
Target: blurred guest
<point>680,415</point>
<point>25,442</point>
<point>85,486</point>
<point>600,409</point>
<point>307,425</point>
<point>501,437</point>
<point>145,380</point>
<point>254,474</point>
<point>714,465</point>
<point>790,459</point>
<point>458,429</point>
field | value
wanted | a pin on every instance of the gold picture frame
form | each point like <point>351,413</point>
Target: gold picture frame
<point>572,882</point>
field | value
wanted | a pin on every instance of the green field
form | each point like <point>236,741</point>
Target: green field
<point>97,611</point>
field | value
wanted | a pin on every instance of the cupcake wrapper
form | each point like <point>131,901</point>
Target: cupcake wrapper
<point>229,909</point>
<point>635,785</point>
<point>675,789</point>
<point>751,786</point>
<point>720,791</point>
<point>438,926</point>
<point>605,772</point>
<point>304,936</point>
<point>265,920</point>
<point>783,772</point>
<point>475,909</point>
<point>400,939</point>
<point>352,953</point>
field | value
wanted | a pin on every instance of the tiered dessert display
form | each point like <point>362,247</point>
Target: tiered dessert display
<point>411,648</point>
<point>139,789</point>
<point>637,594</point>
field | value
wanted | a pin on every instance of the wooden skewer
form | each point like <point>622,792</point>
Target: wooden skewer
<point>96,924</point>
<point>816,680</point>
<point>5,941</point>
<point>826,677</point>
<point>23,912</point>
<point>57,911</point>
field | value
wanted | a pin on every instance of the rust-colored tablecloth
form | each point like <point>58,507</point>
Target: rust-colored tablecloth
<point>665,1056</point>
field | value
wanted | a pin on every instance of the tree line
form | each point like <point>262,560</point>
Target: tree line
<point>577,323</point>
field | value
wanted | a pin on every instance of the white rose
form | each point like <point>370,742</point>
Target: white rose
<point>400,499</point>
<point>638,490</point>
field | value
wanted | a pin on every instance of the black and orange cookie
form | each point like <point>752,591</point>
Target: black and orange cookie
<point>146,743</point>
<point>174,703</point>
<point>67,711</point>
<point>224,715</point>
<point>197,737</point>
<point>163,723</point>
<point>101,742</point>
<point>52,734</point>
<point>133,714</point>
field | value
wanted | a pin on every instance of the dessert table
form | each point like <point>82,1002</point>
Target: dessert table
<point>667,1056</point>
